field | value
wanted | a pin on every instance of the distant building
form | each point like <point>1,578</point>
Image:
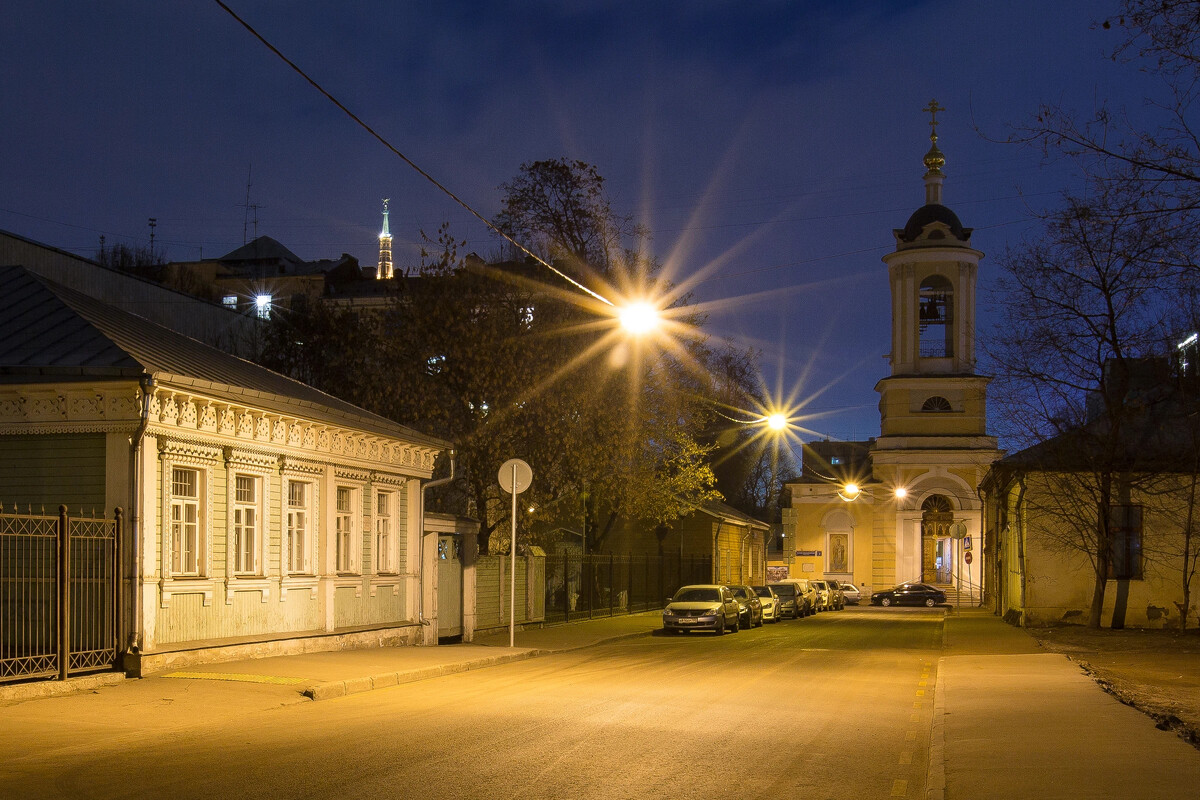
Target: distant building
<point>258,277</point>
<point>904,506</point>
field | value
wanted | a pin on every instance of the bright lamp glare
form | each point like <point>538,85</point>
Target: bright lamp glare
<point>638,318</point>
<point>850,490</point>
<point>777,422</point>
<point>901,493</point>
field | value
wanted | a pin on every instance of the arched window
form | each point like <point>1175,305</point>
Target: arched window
<point>935,314</point>
<point>936,516</point>
<point>936,403</point>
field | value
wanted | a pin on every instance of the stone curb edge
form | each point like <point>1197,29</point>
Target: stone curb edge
<point>935,776</point>
<point>36,691</point>
<point>334,689</point>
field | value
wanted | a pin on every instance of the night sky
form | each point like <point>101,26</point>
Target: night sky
<point>770,147</point>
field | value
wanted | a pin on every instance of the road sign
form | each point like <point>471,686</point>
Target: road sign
<point>515,477</point>
<point>515,473</point>
<point>967,557</point>
<point>958,530</point>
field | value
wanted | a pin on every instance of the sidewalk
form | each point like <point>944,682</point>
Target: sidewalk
<point>1011,720</point>
<point>321,676</point>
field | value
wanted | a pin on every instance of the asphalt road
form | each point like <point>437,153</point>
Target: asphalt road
<point>837,705</point>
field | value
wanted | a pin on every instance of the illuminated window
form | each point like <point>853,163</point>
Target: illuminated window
<point>230,301</point>
<point>297,544</point>
<point>527,316</point>
<point>262,306</point>
<point>246,525</point>
<point>435,364</point>
<point>185,532</point>
<point>347,547</point>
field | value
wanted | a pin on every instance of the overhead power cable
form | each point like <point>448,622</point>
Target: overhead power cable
<point>408,160</point>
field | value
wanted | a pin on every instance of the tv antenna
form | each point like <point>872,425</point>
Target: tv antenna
<point>249,207</point>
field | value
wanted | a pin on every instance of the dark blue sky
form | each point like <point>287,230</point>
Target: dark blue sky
<point>770,145</point>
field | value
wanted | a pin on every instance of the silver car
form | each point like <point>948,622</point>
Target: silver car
<point>701,607</point>
<point>851,593</point>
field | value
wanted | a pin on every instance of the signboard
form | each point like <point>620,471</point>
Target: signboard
<point>967,557</point>
<point>958,530</point>
<point>808,552</point>
<point>967,544</point>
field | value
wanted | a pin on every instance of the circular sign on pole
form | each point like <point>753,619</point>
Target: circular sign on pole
<point>958,530</point>
<point>967,557</point>
<point>515,476</point>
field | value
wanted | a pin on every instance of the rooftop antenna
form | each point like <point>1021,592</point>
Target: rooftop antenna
<point>248,207</point>
<point>153,224</point>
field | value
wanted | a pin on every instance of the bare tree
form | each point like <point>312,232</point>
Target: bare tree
<point>1082,306</point>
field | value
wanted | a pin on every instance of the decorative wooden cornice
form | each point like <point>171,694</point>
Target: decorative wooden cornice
<point>177,412</point>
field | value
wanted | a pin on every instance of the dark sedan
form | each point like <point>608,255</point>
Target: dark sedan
<point>910,594</point>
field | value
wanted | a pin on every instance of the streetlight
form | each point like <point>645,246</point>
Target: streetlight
<point>638,318</point>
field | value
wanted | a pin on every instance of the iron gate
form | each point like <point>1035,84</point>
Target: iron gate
<point>60,604</point>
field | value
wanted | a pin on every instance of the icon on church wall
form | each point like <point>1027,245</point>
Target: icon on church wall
<point>839,548</point>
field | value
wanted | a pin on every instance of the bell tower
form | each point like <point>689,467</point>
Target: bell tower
<point>933,389</point>
<point>384,271</point>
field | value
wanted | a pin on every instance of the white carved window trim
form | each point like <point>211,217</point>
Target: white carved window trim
<point>201,460</point>
<point>347,529</point>
<point>387,551</point>
<point>298,561</point>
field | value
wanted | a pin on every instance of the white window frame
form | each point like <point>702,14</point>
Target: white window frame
<point>298,559</point>
<point>178,523</point>
<point>346,532</point>
<point>387,553</point>
<point>246,561</point>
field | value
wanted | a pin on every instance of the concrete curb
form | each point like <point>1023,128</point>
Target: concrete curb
<point>36,691</point>
<point>935,775</point>
<point>334,689</point>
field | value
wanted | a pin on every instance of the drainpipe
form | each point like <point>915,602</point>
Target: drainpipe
<point>742,550</point>
<point>137,453</point>
<point>421,540</point>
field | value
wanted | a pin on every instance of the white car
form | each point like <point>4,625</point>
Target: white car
<point>851,593</point>
<point>770,602</point>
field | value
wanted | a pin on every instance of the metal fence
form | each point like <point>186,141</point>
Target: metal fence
<point>60,605</point>
<point>579,587</point>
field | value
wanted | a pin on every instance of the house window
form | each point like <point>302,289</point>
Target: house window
<point>246,525</point>
<point>262,306</point>
<point>298,536</point>
<point>385,540</point>
<point>347,549</point>
<point>230,301</point>
<point>186,540</point>
<point>1125,557</point>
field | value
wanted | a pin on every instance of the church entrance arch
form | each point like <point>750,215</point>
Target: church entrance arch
<point>937,515</point>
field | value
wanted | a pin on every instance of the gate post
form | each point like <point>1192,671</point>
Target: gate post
<point>63,582</point>
<point>118,592</point>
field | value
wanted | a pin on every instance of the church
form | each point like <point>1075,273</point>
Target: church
<point>904,506</point>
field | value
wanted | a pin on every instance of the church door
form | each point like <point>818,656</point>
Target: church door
<point>936,518</point>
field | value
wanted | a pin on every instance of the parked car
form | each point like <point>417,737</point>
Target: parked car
<point>851,593</point>
<point>825,598</point>
<point>791,603</point>
<point>750,610</point>
<point>770,602</point>
<point>909,594</point>
<point>806,595</point>
<point>701,607</point>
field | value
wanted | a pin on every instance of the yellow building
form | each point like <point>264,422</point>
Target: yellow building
<point>904,506</point>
